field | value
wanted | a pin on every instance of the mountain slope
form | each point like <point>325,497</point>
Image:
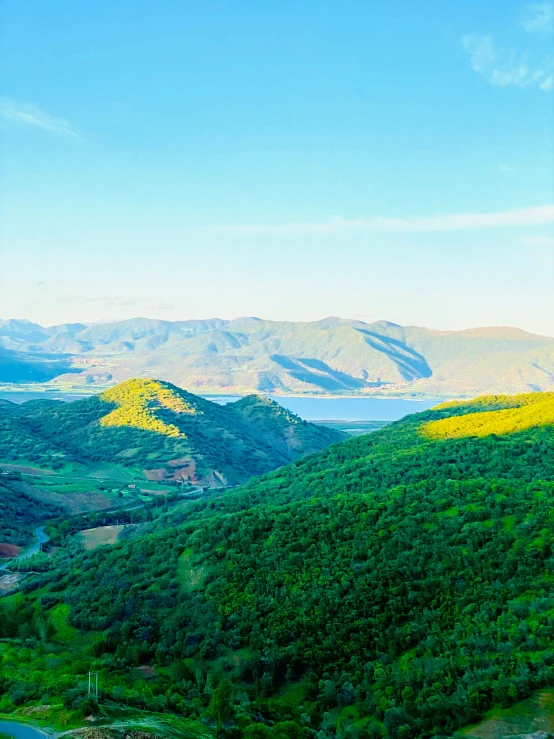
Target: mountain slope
<point>331,356</point>
<point>20,367</point>
<point>163,431</point>
<point>396,583</point>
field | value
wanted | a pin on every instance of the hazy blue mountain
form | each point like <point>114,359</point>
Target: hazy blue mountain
<point>331,356</point>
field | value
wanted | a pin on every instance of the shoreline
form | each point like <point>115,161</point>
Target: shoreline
<point>11,389</point>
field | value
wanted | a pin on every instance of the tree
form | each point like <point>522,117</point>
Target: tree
<point>221,704</point>
<point>397,722</point>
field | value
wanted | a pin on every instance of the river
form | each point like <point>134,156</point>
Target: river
<point>22,731</point>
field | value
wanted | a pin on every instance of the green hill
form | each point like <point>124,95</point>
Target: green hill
<point>398,583</point>
<point>161,431</point>
<point>328,357</point>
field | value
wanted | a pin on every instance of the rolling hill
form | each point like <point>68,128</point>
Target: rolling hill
<point>331,356</point>
<point>161,431</point>
<point>397,584</point>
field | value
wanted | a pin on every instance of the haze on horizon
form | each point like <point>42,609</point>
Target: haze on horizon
<point>323,320</point>
<point>369,161</point>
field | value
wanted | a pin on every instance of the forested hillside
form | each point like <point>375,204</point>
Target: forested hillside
<point>161,430</point>
<point>396,584</point>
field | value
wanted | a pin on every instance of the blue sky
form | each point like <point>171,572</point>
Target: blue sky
<point>291,160</point>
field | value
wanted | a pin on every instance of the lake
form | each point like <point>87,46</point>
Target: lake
<point>346,409</point>
<point>309,408</point>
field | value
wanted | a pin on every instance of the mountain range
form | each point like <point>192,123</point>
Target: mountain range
<point>327,357</point>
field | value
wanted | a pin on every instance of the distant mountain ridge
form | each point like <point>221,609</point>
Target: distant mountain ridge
<point>328,357</point>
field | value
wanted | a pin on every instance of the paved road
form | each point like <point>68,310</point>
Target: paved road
<point>42,538</point>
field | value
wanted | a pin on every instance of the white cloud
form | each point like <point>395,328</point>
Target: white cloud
<point>506,68</point>
<point>539,17</point>
<point>522,217</point>
<point>506,168</point>
<point>24,114</point>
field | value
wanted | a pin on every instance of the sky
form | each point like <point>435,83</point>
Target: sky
<point>293,160</point>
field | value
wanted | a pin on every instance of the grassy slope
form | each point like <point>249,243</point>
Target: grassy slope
<point>529,716</point>
<point>394,578</point>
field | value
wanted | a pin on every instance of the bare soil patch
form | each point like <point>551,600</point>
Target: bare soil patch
<point>155,475</point>
<point>9,582</point>
<point>146,671</point>
<point>8,550</point>
<point>183,468</point>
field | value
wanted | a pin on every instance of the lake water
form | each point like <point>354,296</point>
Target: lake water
<point>311,409</point>
<point>347,409</point>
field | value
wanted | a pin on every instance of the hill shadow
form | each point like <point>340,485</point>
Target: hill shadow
<point>316,372</point>
<point>410,364</point>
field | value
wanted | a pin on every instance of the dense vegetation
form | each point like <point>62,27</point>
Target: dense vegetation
<point>518,413</point>
<point>156,427</point>
<point>397,583</point>
<point>17,442</point>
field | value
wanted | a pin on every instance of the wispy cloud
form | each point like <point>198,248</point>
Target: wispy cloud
<point>504,68</point>
<point>24,114</point>
<point>129,302</point>
<point>506,168</point>
<point>450,222</point>
<point>539,18</point>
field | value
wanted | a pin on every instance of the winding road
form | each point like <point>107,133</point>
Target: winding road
<point>42,538</point>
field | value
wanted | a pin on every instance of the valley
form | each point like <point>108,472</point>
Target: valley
<point>277,370</point>
<point>394,584</point>
<point>136,441</point>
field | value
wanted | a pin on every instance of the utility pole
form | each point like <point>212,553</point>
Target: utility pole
<point>93,685</point>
